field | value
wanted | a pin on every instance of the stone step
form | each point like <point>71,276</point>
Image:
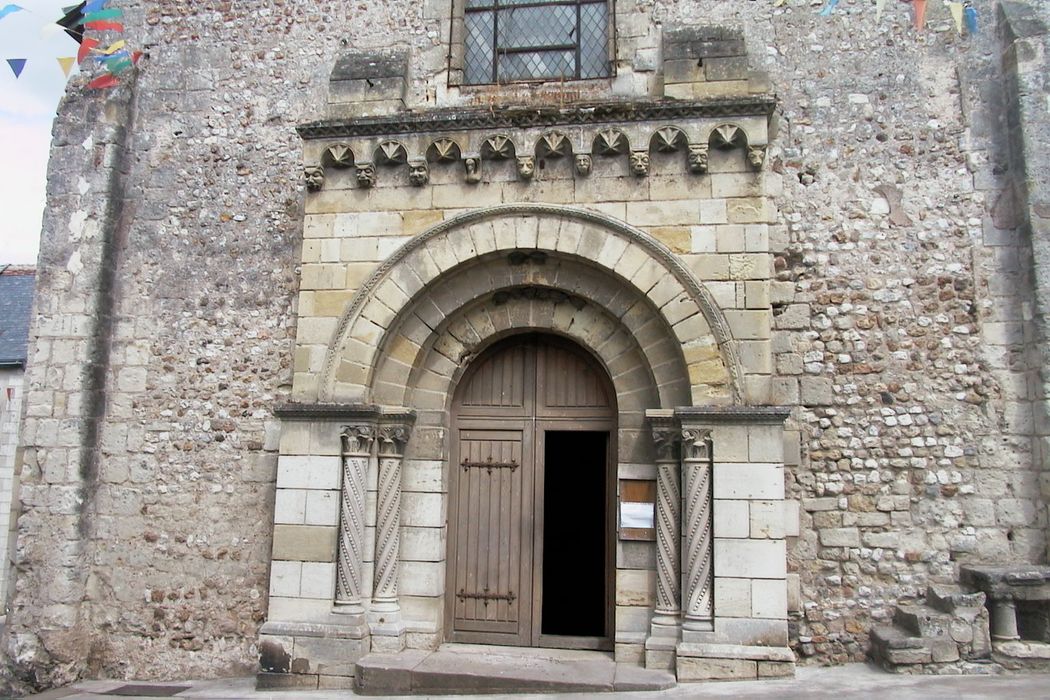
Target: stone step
<point>950,598</point>
<point>923,621</point>
<point>893,646</point>
<point>470,668</point>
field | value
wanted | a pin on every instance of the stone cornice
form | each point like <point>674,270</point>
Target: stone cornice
<point>466,118</point>
<point>704,415</point>
<point>333,411</point>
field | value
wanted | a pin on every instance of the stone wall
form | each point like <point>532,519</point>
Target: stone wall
<point>10,415</point>
<point>169,271</point>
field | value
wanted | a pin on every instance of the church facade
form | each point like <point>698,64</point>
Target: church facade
<point>704,335</point>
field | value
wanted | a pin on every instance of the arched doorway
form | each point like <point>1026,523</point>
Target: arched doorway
<point>531,498</point>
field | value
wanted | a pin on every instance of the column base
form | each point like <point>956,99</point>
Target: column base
<point>388,629</point>
<point>310,655</point>
<point>660,653</point>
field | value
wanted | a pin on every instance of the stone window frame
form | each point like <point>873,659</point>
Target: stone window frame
<point>457,52</point>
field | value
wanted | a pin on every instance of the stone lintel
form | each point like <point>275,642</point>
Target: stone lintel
<point>313,629</point>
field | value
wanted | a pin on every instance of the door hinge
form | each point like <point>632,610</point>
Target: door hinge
<point>485,597</point>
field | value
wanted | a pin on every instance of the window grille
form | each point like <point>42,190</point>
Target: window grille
<point>508,40</point>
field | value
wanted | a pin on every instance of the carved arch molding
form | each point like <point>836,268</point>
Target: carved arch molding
<point>517,234</point>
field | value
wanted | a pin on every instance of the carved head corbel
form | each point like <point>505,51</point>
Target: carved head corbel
<point>314,176</point>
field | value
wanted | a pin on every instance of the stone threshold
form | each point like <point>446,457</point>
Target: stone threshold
<point>474,668</point>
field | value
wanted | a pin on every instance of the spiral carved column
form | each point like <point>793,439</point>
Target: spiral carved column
<point>666,437</point>
<point>350,584</point>
<point>698,578</point>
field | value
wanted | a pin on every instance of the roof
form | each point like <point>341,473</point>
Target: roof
<point>16,304</point>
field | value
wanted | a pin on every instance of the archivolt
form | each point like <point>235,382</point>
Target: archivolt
<point>417,268</point>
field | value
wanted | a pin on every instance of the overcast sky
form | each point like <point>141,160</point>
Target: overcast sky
<point>27,109</point>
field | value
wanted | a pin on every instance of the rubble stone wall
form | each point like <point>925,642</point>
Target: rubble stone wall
<point>168,276</point>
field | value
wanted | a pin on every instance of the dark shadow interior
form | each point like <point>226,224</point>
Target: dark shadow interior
<point>574,532</point>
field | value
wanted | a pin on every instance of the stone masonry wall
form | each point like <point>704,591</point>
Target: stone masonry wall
<point>144,542</point>
<point>11,381</point>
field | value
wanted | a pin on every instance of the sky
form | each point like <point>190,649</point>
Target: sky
<point>27,110</point>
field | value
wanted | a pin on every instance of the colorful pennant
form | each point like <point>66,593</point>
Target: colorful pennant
<point>829,8</point>
<point>67,64</point>
<point>17,65</point>
<point>86,46</point>
<point>9,9</point>
<point>920,14</point>
<point>103,81</point>
<point>956,9</point>
<point>970,14</point>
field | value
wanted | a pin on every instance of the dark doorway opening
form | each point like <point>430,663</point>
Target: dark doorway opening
<point>574,534</point>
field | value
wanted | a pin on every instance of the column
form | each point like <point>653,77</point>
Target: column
<point>388,631</point>
<point>1004,620</point>
<point>350,588</point>
<point>668,538</point>
<point>697,579</point>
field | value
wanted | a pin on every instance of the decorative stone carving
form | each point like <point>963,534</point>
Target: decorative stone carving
<point>314,178</point>
<point>497,148</point>
<point>553,145</point>
<point>391,153</point>
<point>666,437</point>
<point>698,579</point>
<point>640,163</point>
<point>668,139</point>
<point>339,155</point>
<point>610,142</point>
<point>526,167</point>
<point>366,175</point>
<point>418,173</point>
<point>472,166</point>
<point>756,156</point>
<point>584,164</point>
<point>385,607</point>
<point>698,158</point>
<point>357,448</point>
<point>443,151</point>
<point>726,135</point>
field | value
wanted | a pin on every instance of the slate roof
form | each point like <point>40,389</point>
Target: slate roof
<point>16,304</point>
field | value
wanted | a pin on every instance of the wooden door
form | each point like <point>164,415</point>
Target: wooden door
<point>509,400</point>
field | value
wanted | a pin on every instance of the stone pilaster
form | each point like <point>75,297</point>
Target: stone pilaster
<point>388,630</point>
<point>350,588</point>
<point>697,579</point>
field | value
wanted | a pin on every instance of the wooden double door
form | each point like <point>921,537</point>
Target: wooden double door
<point>531,494</point>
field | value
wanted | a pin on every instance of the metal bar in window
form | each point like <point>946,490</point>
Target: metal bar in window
<point>579,41</point>
<point>495,46</point>
<point>536,49</point>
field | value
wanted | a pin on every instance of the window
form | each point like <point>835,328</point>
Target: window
<point>508,40</point>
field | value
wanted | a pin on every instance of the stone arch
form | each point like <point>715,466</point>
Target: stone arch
<point>634,260</point>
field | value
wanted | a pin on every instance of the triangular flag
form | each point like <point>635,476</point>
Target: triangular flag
<point>920,14</point>
<point>104,26</point>
<point>85,48</point>
<point>8,9</point>
<point>103,14</point>
<point>114,47</point>
<point>970,12</point>
<point>93,6</point>
<point>17,65</point>
<point>956,8</point>
<point>829,8</point>
<point>103,81</point>
<point>73,21</point>
<point>67,64</point>
<point>880,5</point>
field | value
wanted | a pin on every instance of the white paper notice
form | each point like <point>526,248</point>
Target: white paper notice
<point>639,515</point>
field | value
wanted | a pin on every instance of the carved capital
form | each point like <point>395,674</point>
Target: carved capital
<point>696,444</point>
<point>666,438</point>
<point>357,440</point>
<point>392,440</point>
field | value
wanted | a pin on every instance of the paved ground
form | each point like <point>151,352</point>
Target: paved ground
<point>852,681</point>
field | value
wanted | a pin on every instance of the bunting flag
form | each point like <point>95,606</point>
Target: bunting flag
<point>104,26</point>
<point>103,14</point>
<point>9,9</point>
<point>103,81</point>
<point>956,8</point>
<point>17,65</point>
<point>114,47</point>
<point>86,46</point>
<point>73,22</point>
<point>67,64</point>
<point>880,6</point>
<point>920,14</point>
<point>829,8</point>
<point>970,13</point>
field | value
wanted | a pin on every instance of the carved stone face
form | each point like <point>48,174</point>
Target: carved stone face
<point>526,167</point>
<point>640,163</point>
<point>756,156</point>
<point>418,173</point>
<point>314,178</point>
<point>698,158</point>
<point>473,167</point>
<point>366,175</point>
<point>583,164</point>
